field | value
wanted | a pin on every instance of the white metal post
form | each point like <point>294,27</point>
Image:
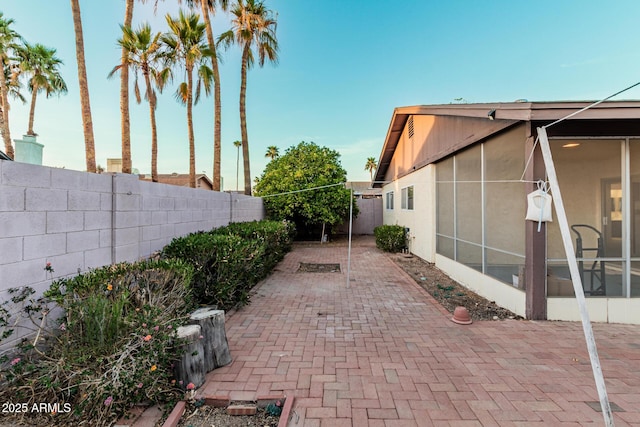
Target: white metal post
<point>575,276</point>
<point>350,228</point>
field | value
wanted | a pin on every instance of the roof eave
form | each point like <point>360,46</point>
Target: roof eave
<point>514,111</point>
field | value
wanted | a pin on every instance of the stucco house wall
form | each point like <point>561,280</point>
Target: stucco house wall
<point>420,220</point>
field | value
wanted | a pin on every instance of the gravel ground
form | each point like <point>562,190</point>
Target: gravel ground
<point>207,416</point>
<point>448,292</point>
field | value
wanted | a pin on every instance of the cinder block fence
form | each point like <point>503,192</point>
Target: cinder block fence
<point>77,220</point>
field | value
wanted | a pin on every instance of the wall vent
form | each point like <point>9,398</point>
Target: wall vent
<point>410,125</point>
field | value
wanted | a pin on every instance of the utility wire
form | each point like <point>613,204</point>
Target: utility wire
<point>304,189</point>
<point>591,106</point>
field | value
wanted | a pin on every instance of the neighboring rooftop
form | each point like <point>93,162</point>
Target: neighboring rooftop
<point>363,189</point>
<point>182,179</point>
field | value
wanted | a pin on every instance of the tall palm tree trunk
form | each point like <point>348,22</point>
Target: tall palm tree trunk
<point>4,104</point>
<point>125,125</point>
<point>154,134</point>
<point>192,146</point>
<point>243,120</point>
<point>90,151</point>
<point>32,111</point>
<point>217,130</point>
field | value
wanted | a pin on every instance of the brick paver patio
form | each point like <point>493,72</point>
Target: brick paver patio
<point>384,353</point>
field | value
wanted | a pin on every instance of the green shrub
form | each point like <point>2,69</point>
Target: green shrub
<point>112,347</point>
<point>197,249</point>
<point>390,238</point>
<point>275,236</point>
<point>229,261</point>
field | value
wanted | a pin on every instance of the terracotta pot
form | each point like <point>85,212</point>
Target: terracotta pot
<point>461,316</point>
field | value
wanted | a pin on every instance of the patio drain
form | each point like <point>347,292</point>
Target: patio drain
<point>596,407</point>
<point>318,268</point>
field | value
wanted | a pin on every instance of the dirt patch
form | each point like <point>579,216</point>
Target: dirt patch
<point>448,292</point>
<point>208,416</point>
<point>318,268</point>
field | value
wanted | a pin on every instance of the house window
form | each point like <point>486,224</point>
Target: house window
<point>389,201</point>
<point>407,198</point>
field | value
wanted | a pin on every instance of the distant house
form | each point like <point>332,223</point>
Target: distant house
<point>364,190</point>
<point>182,179</point>
<point>452,175</point>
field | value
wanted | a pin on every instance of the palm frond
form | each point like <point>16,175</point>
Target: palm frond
<point>162,77</point>
<point>205,74</point>
<point>226,39</point>
<point>136,90</point>
<point>182,93</point>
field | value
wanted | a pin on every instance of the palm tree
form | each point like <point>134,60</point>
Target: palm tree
<point>125,123</point>
<point>11,74</point>
<point>87,123</point>
<point>8,43</point>
<point>42,64</point>
<point>370,166</point>
<point>272,152</point>
<point>209,6</point>
<point>144,55</point>
<point>237,144</point>
<point>253,24</point>
<point>185,45</point>
<point>125,127</point>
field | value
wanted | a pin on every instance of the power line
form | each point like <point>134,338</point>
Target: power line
<point>304,189</point>
<point>592,105</point>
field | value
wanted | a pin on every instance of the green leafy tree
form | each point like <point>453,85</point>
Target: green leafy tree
<point>306,166</point>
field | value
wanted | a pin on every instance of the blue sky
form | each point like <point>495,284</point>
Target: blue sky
<point>344,66</point>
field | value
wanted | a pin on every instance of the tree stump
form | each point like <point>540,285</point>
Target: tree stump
<point>190,368</point>
<point>216,347</point>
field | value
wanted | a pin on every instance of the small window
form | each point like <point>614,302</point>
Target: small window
<point>407,198</point>
<point>389,200</point>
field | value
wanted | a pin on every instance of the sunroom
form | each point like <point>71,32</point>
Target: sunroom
<point>470,168</point>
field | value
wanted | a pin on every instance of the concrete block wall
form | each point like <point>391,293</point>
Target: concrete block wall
<point>78,220</point>
<point>51,215</point>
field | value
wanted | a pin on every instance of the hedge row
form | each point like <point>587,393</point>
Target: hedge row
<point>229,261</point>
<point>114,344</point>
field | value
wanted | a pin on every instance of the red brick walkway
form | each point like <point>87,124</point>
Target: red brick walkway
<point>383,353</point>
